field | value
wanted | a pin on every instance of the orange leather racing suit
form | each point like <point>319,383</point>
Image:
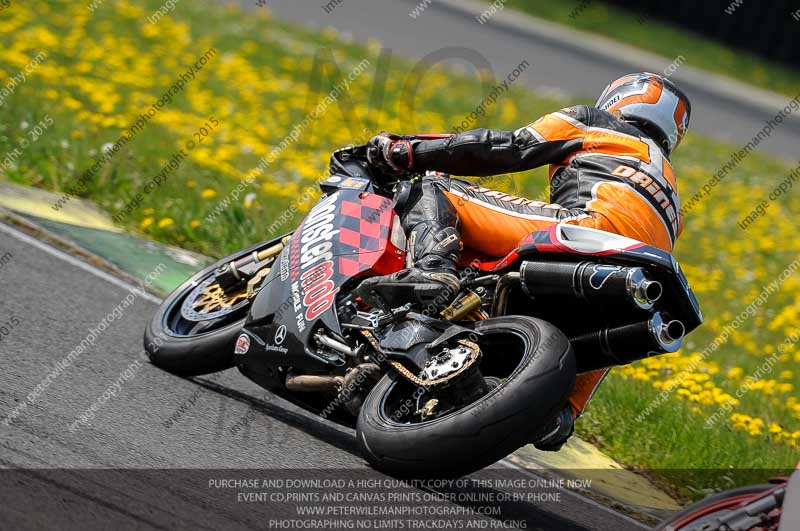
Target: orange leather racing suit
<point>604,174</point>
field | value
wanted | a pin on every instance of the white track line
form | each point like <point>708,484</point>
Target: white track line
<point>21,236</point>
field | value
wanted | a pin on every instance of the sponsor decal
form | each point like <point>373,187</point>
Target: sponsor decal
<point>296,296</point>
<point>280,335</point>
<point>284,265</point>
<point>334,179</point>
<point>354,183</point>
<point>313,240</point>
<point>502,196</point>
<point>242,344</point>
<point>276,348</point>
<point>653,188</point>
<point>313,291</point>
<point>318,289</point>
<point>601,274</point>
<point>610,103</point>
<point>298,306</point>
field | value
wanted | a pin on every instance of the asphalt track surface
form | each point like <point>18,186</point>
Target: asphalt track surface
<point>156,421</point>
<point>556,67</point>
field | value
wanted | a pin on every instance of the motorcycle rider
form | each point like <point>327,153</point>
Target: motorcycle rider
<point>609,170</point>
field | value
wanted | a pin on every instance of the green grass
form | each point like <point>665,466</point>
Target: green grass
<point>687,462</point>
<point>662,38</point>
<point>104,69</point>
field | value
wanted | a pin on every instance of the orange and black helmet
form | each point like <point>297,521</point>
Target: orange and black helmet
<point>652,103</point>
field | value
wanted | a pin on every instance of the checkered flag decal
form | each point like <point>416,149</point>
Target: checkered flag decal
<point>365,225</point>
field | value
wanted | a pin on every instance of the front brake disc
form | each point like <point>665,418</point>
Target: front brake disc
<point>209,301</point>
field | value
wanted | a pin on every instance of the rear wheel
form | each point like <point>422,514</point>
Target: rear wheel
<point>195,329</point>
<point>528,368</point>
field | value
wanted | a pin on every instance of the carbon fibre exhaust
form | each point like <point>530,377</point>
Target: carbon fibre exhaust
<point>627,343</point>
<point>590,282</point>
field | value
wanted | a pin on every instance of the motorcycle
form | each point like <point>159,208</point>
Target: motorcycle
<point>773,506</point>
<point>429,393</point>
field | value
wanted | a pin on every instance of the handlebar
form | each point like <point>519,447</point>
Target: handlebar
<point>343,161</point>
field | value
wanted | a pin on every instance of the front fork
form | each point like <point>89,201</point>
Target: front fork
<point>233,276</point>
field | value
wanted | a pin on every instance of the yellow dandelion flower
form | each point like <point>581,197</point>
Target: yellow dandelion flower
<point>148,211</point>
<point>735,372</point>
<point>209,193</point>
<point>194,224</point>
<point>146,222</point>
<point>191,184</point>
<point>165,222</point>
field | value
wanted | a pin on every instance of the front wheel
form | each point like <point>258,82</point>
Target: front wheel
<point>530,368</point>
<point>195,329</point>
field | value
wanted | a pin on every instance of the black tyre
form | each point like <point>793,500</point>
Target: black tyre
<point>724,501</point>
<point>536,367</point>
<point>191,347</point>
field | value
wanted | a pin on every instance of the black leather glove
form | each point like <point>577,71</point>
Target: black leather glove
<point>391,154</point>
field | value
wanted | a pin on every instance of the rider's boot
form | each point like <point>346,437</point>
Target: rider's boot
<point>429,221</point>
<point>555,434</point>
<point>431,285</point>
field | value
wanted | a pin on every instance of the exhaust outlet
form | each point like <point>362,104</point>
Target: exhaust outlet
<point>628,343</point>
<point>642,291</point>
<point>591,282</point>
<point>672,331</point>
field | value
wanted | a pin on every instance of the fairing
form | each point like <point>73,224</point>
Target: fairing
<point>345,236</point>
